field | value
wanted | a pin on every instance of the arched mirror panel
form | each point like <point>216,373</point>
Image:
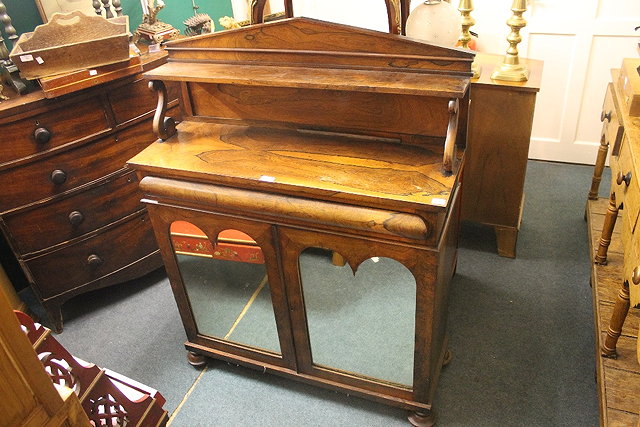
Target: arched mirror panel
<point>227,284</point>
<point>360,323</point>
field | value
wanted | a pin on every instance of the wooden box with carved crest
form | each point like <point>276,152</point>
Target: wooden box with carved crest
<point>315,138</point>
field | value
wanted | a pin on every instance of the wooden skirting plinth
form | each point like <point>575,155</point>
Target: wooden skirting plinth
<point>618,379</point>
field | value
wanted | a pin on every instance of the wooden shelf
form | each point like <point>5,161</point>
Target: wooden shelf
<point>618,379</point>
<point>407,83</point>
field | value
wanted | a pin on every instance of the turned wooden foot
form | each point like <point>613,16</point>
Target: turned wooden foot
<point>447,358</point>
<point>620,311</point>
<point>196,360</point>
<point>607,231</point>
<point>597,171</point>
<point>506,238</point>
<point>422,419</point>
<point>338,260</point>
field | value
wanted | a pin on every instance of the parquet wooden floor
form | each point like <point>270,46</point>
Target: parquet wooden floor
<point>618,379</point>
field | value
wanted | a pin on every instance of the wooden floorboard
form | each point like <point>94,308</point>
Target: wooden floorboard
<point>618,379</point>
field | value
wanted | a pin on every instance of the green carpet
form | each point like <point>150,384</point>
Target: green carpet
<point>521,334</point>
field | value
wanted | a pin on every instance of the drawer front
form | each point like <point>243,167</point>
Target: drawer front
<point>134,100</point>
<point>73,216</point>
<point>70,169</point>
<point>91,259</point>
<point>611,127</point>
<point>42,132</point>
<point>627,188</point>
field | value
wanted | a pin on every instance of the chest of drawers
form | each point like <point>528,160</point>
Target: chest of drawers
<point>69,208</point>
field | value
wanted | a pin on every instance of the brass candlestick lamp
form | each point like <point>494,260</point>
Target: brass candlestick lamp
<point>511,69</point>
<point>466,7</point>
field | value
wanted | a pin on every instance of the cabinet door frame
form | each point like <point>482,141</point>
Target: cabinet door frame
<point>419,261</point>
<point>162,216</point>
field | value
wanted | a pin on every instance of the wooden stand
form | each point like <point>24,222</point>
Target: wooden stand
<point>500,121</point>
<point>305,134</point>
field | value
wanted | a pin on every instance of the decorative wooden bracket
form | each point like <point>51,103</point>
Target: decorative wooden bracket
<point>164,127</point>
<point>450,141</point>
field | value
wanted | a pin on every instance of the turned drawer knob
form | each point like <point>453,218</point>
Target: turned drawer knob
<point>42,135</point>
<point>605,116</point>
<point>94,261</point>
<point>76,217</point>
<point>623,178</point>
<point>635,277</point>
<point>58,176</point>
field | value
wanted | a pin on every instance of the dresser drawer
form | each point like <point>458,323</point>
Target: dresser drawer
<point>94,258</point>
<point>612,129</point>
<point>53,223</point>
<point>54,128</point>
<point>134,100</point>
<point>65,171</point>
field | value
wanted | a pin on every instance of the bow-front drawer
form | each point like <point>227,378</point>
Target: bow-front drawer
<point>70,169</point>
<point>93,258</point>
<point>39,133</point>
<point>53,223</point>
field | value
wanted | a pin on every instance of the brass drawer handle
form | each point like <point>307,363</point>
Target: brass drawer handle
<point>605,116</point>
<point>76,217</point>
<point>623,178</point>
<point>58,176</point>
<point>42,135</point>
<point>94,261</point>
<point>636,276</point>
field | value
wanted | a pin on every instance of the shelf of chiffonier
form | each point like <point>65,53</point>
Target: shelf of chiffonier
<point>334,167</point>
<point>407,83</point>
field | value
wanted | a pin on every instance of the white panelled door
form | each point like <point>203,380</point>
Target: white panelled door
<point>580,42</point>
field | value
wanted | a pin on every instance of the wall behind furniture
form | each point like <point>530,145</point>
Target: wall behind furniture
<point>25,16</point>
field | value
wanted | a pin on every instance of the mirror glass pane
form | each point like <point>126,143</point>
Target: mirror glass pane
<point>227,285</point>
<point>362,323</point>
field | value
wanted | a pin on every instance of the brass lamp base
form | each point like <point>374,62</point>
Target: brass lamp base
<point>511,73</point>
<point>477,69</point>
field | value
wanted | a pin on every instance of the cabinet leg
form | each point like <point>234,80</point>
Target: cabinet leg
<point>54,313</point>
<point>196,360</point>
<point>422,419</point>
<point>620,311</point>
<point>607,231</point>
<point>338,260</point>
<point>597,171</point>
<point>506,238</point>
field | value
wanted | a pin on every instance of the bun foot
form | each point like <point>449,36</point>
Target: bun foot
<point>196,360</point>
<point>422,419</point>
<point>447,358</point>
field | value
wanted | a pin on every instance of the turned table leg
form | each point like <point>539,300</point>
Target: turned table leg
<point>620,311</point>
<point>422,419</point>
<point>607,231</point>
<point>597,171</point>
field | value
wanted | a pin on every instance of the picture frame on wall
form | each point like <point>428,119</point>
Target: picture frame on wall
<point>47,8</point>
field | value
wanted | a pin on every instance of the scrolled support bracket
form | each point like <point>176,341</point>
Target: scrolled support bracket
<point>163,127</point>
<point>450,141</point>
